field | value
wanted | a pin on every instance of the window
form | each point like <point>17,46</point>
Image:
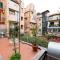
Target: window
<point>40,24</point>
<point>51,24</point>
<point>16,1</point>
<point>25,18</point>
<point>59,23</point>
<point>39,19</point>
<point>21,26</point>
<point>21,18</point>
<point>54,30</point>
<point>12,0</point>
<point>1,5</point>
<point>58,29</point>
<point>11,11</point>
<point>32,12</point>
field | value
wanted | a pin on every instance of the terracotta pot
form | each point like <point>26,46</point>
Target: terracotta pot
<point>35,48</point>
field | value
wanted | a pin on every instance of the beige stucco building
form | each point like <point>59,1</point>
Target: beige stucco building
<point>39,24</point>
<point>11,15</point>
<point>29,19</point>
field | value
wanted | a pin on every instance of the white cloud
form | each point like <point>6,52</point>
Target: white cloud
<point>42,5</point>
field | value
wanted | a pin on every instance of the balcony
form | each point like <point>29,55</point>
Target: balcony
<point>58,25</point>
<point>16,1</point>
<point>13,5</point>
<point>13,18</point>
<point>54,18</point>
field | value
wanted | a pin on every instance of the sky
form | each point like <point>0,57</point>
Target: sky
<point>42,5</point>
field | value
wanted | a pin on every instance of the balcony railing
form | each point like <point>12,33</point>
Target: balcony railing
<point>58,25</point>
<point>54,19</point>
<point>13,5</point>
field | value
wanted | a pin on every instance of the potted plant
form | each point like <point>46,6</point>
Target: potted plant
<point>34,43</point>
<point>16,56</point>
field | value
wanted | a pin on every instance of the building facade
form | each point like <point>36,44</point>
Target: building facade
<point>29,19</point>
<point>54,24</point>
<point>39,24</point>
<point>11,14</point>
<point>42,19</point>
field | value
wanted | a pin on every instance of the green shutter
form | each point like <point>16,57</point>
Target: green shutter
<point>1,5</point>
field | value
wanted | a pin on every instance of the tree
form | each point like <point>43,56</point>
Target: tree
<point>34,31</point>
<point>14,34</point>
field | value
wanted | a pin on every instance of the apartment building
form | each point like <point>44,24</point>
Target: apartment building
<point>39,24</point>
<point>41,19</point>
<point>2,15</point>
<point>29,19</point>
<point>22,18</point>
<point>54,24</point>
<point>44,21</point>
<point>11,14</point>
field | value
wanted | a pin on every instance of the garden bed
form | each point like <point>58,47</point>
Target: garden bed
<point>40,41</point>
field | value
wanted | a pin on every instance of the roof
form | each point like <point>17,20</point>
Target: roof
<point>45,11</point>
<point>38,13</point>
<point>54,14</point>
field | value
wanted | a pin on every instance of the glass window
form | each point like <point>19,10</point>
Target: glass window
<point>16,1</point>
<point>54,30</point>
<point>11,11</point>
<point>58,29</point>
<point>25,18</point>
<point>21,26</point>
<point>1,5</point>
<point>21,18</point>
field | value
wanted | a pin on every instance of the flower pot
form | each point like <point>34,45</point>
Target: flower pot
<point>35,48</point>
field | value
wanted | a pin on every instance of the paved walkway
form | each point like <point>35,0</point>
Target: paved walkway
<point>6,49</point>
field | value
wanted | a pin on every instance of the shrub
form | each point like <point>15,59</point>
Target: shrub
<point>38,40</point>
<point>16,56</point>
<point>49,36</point>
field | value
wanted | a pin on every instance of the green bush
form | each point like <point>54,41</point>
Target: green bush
<point>39,41</point>
<point>16,56</point>
<point>49,36</point>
